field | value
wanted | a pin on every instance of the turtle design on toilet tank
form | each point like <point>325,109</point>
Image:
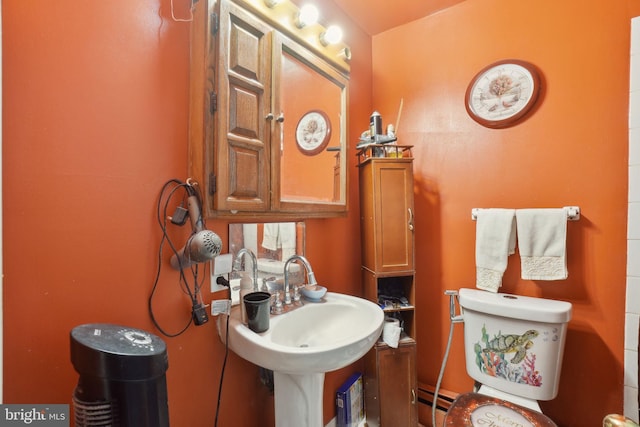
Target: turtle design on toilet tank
<point>518,344</point>
<point>509,356</point>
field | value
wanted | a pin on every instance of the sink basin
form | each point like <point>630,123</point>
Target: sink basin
<point>303,344</point>
<point>317,337</point>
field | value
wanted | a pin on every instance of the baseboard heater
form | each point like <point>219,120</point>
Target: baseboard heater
<point>443,402</point>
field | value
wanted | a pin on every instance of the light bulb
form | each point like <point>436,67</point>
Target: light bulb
<point>332,35</point>
<point>272,3</point>
<point>308,15</point>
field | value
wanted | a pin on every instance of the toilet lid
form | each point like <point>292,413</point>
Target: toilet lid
<point>474,410</point>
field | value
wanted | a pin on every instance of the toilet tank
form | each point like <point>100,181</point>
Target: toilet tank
<point>514,343</point>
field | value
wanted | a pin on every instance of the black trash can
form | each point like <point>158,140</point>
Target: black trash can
<point>122,377</point>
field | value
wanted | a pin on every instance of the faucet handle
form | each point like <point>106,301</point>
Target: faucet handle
<point>296,292</point>
<point>277,308</point>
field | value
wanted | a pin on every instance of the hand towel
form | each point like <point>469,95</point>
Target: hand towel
<point>288,239</point>
<point>495,241</point>
<point>280,235</point>
<point>542,237</point>
<point>270,235</point>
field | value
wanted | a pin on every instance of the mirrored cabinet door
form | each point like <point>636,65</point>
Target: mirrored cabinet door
<point>310,101</point>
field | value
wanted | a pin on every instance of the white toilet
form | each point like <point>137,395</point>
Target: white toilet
<point>513,349</point>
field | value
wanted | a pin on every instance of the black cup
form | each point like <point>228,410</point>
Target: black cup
<point>258,308</point>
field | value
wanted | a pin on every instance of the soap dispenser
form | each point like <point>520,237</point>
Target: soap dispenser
<point>246,287</point>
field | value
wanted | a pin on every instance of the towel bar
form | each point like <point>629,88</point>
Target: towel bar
<point>573,213</point>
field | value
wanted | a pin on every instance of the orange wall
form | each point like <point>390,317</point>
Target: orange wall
<point>571,151</point>
<point>95,121</point>
<point>95,99</point>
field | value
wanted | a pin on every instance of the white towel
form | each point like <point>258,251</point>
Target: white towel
<point>542,242</point>
<point>280,235</point>
<point>288,239</point>
<point>495,241</point>
<point>270,236</point>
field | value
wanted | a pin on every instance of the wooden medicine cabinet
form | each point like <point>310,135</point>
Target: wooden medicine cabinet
<point>268,114</point>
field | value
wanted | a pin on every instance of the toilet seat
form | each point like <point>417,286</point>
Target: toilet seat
<point>474,409</point>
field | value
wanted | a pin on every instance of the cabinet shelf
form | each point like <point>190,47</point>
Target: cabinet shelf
<point>398,309</point>
<point>404,340</point>
<point>396,273</point>
<point>389,152</point>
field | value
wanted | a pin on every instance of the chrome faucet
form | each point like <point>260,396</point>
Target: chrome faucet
<point>310,277</point>
<point>237,265</point>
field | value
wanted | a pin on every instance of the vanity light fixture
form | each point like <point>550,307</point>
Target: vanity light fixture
<point>303,24</point>
<point>345,54</point>
<point>332,35</point>
<point>308,15</point>
<point>272,3</point>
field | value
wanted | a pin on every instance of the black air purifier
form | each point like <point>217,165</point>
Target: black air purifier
<point>122,377</point>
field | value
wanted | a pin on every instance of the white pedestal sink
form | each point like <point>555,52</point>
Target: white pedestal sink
<point>303,344</point>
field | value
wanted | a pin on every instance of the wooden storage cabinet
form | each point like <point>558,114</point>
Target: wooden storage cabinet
<point>391,395</point>
<point>386,210</point>
<point>388,275</point>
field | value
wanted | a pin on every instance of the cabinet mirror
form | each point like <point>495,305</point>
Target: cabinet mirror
<point>268,117</point>
<point>311,145</point>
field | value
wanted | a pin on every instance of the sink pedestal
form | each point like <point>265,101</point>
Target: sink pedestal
<point>301,345</point>
<point>298,399</point>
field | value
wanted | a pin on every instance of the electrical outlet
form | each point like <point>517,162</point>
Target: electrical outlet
<point>221,266</point>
